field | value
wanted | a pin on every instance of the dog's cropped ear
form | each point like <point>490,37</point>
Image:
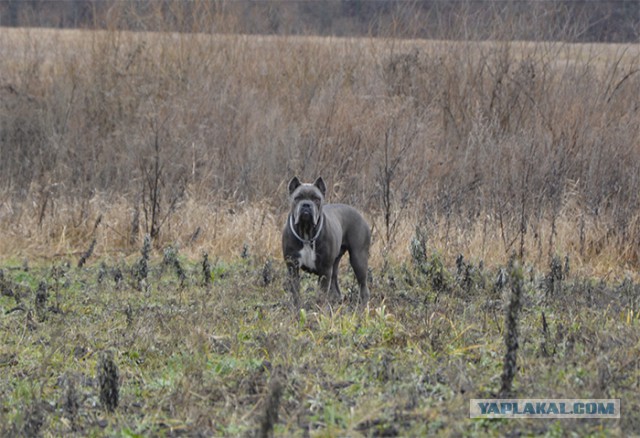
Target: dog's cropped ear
<point>321,186</point>
<point>294,184</point>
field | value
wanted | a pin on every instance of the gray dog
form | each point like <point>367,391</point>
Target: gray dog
<point>317,235</point>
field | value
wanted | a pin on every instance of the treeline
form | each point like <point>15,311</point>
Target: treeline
<point>588,21</point>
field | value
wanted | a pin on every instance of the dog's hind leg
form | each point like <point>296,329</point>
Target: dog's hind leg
<point>359,262</point>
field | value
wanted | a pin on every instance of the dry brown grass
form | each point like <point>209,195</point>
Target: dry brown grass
<point>494,147</point>
<point>222,229</point>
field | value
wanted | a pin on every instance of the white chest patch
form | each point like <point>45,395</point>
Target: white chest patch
<point>307,257</point>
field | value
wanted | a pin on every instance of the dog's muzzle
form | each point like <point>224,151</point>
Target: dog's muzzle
<point>306,211</point>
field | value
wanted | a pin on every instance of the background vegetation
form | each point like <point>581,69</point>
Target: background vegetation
<point>485,163</point>
<point>495,146</point>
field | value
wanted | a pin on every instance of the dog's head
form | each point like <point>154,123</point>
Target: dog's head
<point>306,201</point>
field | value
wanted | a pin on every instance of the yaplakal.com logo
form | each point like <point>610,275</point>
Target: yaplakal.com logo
<point>544,408</point>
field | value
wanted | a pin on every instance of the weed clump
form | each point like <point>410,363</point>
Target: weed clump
<point>108,376</point>
<point>501,281</point>
<point>511,332</point>
<point>430,267</point>
<point>267,273</point>
<point>418,248</point>
<point>272,404</point>
<point>629,294</point>
<point>41,302</point>
<point>170,258</point>
<point>117,277</point>
<point>437,273</point>
<point>546,347</point>
<point>468,276</point>
<point>128,312</point>
<point>58,280</point>
<point>244,254</point>
<point>141,269</point>
<point>33,421</point>
<point>6,288</point>
<point>70,402</point>
<point>554,277</point>
<point>102,273</point>
<point>206,269</point>
<point>87,254</point>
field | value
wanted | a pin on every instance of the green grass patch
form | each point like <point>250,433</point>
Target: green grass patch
<point>196,359</point>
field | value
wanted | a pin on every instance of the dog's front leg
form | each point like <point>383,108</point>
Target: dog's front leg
<point>293,281</point>
<point>325,286</point>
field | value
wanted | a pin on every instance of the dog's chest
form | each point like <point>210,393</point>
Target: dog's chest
<point>307,256</point>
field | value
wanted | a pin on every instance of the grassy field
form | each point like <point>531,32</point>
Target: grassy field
<point>218,350</point>
<point>484,169</point>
